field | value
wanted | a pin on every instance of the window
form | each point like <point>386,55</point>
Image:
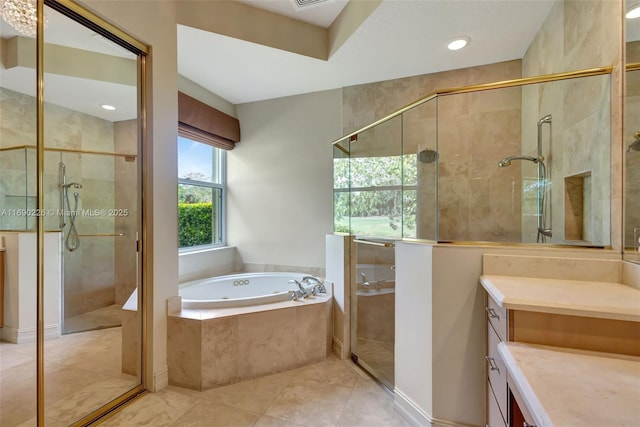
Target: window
<point>375,196</point>
<point>201,194</point>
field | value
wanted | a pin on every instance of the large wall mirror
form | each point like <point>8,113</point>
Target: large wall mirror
<point>631,134</point>
<point>91,141</point>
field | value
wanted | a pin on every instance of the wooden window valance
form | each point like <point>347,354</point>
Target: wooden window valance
<point>203,123</point>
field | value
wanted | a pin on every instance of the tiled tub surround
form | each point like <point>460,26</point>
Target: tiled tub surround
<point>214,347</point>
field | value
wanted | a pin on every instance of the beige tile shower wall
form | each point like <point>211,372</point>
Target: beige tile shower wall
<point>476,200</point>
<point>632,157</point>
<point>578,35</point>
<point>87,284</point>
<point>126,197</point>
<point>17,127</point>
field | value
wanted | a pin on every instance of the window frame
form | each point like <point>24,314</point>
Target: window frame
<point>221,206</point>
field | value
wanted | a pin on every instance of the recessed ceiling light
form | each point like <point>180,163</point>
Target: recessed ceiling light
<point>633,12</point>
<point>108,107</point>
<point>458,43</point>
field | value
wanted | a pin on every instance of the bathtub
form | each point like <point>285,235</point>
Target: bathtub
<point>232,328</point>
<point>379,279</point>
<point>238,290</point>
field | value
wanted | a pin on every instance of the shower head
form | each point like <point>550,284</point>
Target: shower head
<point>507,160</point>
<point>73,184</point>
<point>428,156</point>
<point>545,119</point>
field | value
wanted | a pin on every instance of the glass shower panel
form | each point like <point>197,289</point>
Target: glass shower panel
<point>17,188</point>
<point>569,123</point>
<point>341,188</point>
<point>477,201</point>
<point>632,166</point>
<point>420,168</point>
<point>373,309</point>
<point>375,172</point>
<point>91,196</point>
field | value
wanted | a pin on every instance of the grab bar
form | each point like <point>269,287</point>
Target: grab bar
<point>373,243</point>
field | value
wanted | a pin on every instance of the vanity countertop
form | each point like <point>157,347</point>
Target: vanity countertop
<point>566,387</point>
<point>605,300</point>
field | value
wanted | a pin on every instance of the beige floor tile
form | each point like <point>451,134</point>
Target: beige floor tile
<point>307,400</point>
<point>332,371</point>
<point>49,422</point>
<point>12,355</point>
<point>365,409</point>
<point>366,383</point>
<point>159,409</point>
<point>17,394</point>
<point>253,395</point>
<point>14,415</point>
<point>268,421</point>
<point>88,399</point>
<point>210,414</point>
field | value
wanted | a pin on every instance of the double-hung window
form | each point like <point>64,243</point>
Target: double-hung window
<point>201,194</point>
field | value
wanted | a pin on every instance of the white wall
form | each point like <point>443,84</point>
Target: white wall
<point>155,24</point>
<point>20,286</point>
<point>279,179</point>
<point>413,362</point>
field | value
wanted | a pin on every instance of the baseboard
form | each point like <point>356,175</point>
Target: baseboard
<point>160,379</point>
<point>338,348</point>
<point>410,411</point>
<point>27,335</point>
<point>417,417</point>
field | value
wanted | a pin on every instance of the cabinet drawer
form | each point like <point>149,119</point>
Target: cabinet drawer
<point>496,370</point>
<point>494,417</point>
<point>497,316</point>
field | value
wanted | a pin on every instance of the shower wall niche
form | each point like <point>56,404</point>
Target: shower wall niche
<point>89,148</point>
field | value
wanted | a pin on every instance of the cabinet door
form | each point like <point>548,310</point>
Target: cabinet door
<point>494,417</point>
<point>496,370</point>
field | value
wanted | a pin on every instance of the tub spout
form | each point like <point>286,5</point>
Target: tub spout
<point>318,288</point>
<point>300,286</point>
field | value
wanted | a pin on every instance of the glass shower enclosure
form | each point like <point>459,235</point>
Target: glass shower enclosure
<point>523,161</point>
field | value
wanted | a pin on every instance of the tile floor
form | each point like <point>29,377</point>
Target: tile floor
<point>106,317</point>
<point>83,372</point>
<point>331,393</point>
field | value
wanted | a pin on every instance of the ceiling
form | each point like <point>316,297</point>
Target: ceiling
<point>400,38</point>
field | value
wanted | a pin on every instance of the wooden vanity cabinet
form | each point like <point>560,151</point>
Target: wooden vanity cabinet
<point>558,330</point>
<point>497,389</point>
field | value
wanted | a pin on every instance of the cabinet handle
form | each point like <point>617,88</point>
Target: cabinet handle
<point>492,313</point>
<point>526,424</point>
<point>492,364</point>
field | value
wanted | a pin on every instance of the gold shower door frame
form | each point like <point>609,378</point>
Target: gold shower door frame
<point>77,13</point>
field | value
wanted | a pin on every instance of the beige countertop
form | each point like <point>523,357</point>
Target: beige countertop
<point>603,300</point>
<point>566,387</point>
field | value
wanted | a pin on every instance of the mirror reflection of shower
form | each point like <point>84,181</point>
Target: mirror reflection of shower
<point>541,183</point>
<point>72,240</point>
